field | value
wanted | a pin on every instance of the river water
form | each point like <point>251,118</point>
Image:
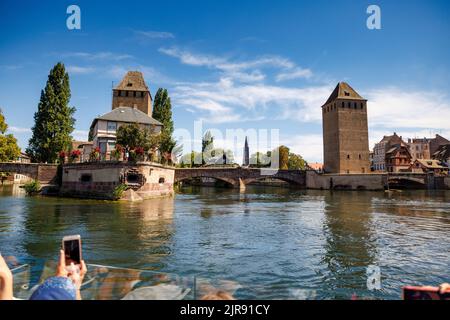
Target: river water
<point>271,243</point>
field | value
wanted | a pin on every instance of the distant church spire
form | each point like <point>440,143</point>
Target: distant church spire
<point>246,161</point>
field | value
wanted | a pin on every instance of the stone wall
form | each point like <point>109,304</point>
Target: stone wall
<point>345,182</point>
<point>99,179</point>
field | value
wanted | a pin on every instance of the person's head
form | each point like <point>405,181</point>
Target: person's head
<point>55,288</point>
<point>219,295</point>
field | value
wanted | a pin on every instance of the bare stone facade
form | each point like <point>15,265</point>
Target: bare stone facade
<point>345,132</point>
<point>99,179</point>
<point>132,92</point>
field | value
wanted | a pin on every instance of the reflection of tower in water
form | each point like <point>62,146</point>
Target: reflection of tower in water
<point>350,242</point>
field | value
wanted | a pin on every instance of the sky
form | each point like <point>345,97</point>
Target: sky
<point>248,66</point>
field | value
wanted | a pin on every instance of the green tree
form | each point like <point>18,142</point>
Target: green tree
<point>191,160</point>
<point>162,111</point>
<point>260,160</point>
<point>283,154</point>
<point>9,150</point>
<point>54,120</point>
<point>130,136</point>
<point>296,162</point>
<point>207,147</point>
<point>223,156</point>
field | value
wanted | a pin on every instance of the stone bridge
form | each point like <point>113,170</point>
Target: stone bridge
<point>409,179</point>
<point>46,174</point>
<point>239,177</point>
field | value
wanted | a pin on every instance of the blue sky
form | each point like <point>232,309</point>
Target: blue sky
<point>236,65</point>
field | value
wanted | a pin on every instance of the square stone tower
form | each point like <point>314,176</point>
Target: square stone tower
<point>345,132</point>
<point>132,92</point>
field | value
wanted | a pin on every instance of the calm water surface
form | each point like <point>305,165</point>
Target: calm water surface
<point>275,243</point>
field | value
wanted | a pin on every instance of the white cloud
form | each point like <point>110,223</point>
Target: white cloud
<point>18,129</point>
<point>80,135</point>
<point>227,101</point>
<point>96,55</point>
<point>154,34</point>
<point>80,70</point>
<point>244,71</point>
<point>294,74</point>
<point>410,114</point>
<point>309,146</point>
<point>396,108</point>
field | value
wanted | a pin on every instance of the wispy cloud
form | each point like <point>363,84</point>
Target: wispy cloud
<point>80,70</point>
<point>309,146</point>
<point>10,67</point>
<point>14,129</point>
<point>393,107</point>
<point>227,101</point>
<point>150,34</point>
<point>296,73</point>
<point>111,56</point>
<point>240,70</point>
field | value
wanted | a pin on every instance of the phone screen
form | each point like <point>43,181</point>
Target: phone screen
<point>72,251</point>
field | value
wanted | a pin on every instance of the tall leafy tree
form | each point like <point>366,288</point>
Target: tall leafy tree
<point>130,136</point>
<point>9,150</point>
<point>207,147</point>
<point>296,162</point>
<point>54,121</point>
<point>162,111</point>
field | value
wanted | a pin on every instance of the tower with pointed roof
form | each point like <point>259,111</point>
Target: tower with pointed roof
<point>345,132</point>
<point>133,92</point>
<point>246,161</point>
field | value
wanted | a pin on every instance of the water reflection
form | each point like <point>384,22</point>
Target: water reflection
<point>350,243</point>
<point>271,243</point>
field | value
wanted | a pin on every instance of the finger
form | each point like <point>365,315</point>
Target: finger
<point>83,268</point>
<point>62,259</point>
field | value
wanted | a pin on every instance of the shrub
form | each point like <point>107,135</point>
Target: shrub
<point>32,188</point>
<point>118,191</point>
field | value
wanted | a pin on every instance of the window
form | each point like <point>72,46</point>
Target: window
<point>161,180</point>
<point>86,177</point>
<point>348,156</point>
<point>349,105</point>
<point>121,93</point>
<point>112,126</point>
<point>347,94</point>
<point>359,157</point>
<point>361,105</point>
<point>343,106</point>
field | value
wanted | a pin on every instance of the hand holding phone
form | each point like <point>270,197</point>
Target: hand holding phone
<point>72,250</point>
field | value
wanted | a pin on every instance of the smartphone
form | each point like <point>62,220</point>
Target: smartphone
<point>72,249</point>
<point>424,293</point>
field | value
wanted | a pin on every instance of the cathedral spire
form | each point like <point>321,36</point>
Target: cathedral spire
<point>246,160</point>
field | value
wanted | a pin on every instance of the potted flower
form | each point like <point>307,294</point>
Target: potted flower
<point>117,152</point>
<point>139,153</point>
<point>74,155</point>
<point>62,157</point>
<point>95,154</point>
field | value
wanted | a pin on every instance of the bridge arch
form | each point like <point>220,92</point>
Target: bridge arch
<point>407,182</point>
<point>280,178</point>
<point>228,181</point>
<point>44,173</point>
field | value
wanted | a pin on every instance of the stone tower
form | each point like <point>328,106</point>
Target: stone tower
<point>345,132</point>
<point>246,161</point>
<point>133,92</point>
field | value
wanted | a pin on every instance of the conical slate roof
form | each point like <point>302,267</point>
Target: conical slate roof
<point>133,80</point>
<point>344,91</point>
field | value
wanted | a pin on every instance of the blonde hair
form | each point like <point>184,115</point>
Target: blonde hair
<point>219,295</point>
